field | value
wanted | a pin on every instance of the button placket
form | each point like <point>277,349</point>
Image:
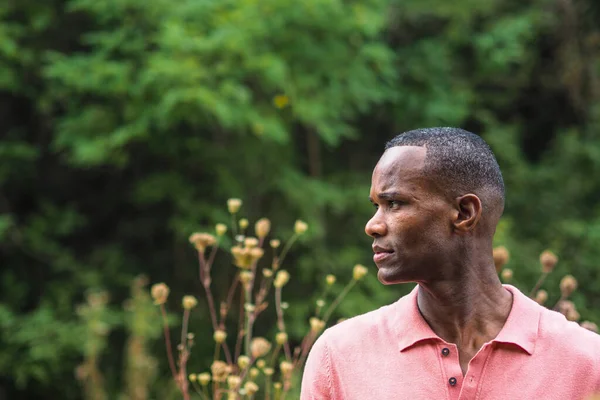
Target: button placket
<point>474,372</point>
<point>448,355</point>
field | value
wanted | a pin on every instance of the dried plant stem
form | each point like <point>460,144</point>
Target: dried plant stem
<point>286,387</point>
<point>216,390</point>
<point>163,311</point>
<point>196,389</point>
<point>213,253</point>
<point>254,264</point>
<point>217,348</point>
<point>238,342</point>
<point>248,316</point>
<point>205,279</point>
<point>562,298</point>
<point>318,311</point>
<point>184,386</point>
<point>275,354</point>
<point>538,284</point>
<point>281,322</point>
<point>338,300</point>
<point>265,286</point>
<point>306,345</point>
<point>250,326</point>
<point>299,351</point>
<point>268,387</point>
<point>231,293</point>
<point>184,326</point>
<point>227,353</point>
<point>206,283</point>
<point>264,290</point>
<point>323,297</point>
<point>233,225</point>
<point>201,392</point>
<point>245,371</point>
<point>287,248</point>
<point>184,356</point>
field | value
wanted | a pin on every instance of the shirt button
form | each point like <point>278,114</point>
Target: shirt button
<point>452,381</point>
<point>445,351</point>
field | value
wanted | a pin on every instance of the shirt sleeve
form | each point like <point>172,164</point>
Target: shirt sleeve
<point>597,388</point>
<point>316,379</point>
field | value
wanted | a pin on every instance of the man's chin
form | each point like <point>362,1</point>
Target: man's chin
<point>391,277</point>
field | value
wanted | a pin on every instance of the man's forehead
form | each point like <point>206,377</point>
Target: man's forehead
<point>400,170</point>
<point>401,160</point>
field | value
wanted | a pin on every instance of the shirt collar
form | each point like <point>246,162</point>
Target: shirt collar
<point>413,327</point>
<point>522,326</point>
<point>520,329</point>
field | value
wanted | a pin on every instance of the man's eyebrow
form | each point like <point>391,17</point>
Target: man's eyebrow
<point>386,196</point>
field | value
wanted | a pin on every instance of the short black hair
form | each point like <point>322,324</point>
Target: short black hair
<point>462,161</point>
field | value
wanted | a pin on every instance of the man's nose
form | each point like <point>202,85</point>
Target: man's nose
<point>376,226</point>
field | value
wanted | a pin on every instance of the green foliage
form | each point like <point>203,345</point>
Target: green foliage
<point>36,345</point>
<point>127,124</point>
<point>219,65</point>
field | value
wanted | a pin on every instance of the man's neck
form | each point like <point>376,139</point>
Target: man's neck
<point>468,312</point>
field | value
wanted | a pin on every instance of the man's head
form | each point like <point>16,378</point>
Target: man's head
<point>439,194</point>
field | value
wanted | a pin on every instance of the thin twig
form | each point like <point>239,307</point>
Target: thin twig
<point>562,298</point>
<point>168,342</point>
<point>281,322</point>
<point>217,347</point>
<point>338,300</point>
<point>539,284</point>
<point>227,353</point>
<point>238,343</point>
<point>287,247</point>
<point>231,292</point>
<point>268,387</point>
<point>206,283</point>
<point>298,351</point>
<point>254,264</point>
<point>274,356</point>
<point>211,258</point>
<point>205,279</point>
<point>248,317</point>
<point>245,370</point>
<point>183,381</point>
<point>306,347</point>
<point>199,391</point>
<point>184,325</point>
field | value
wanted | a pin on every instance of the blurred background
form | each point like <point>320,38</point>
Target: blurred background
<point>126,125</point>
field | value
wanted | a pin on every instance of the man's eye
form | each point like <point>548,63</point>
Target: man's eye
<point>375,205</point>
<point>395,203</point>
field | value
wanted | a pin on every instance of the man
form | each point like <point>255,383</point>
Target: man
<point>460,334</point>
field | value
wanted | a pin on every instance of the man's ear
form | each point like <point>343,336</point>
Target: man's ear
<point>469,213</point>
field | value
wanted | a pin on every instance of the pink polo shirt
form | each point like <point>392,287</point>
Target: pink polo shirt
<point>392,353</point>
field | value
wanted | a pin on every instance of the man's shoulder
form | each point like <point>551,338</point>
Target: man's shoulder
<point>559,333</point>
<point>373,325</point>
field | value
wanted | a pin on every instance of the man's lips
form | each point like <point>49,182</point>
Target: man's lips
<point>381,253</point>
<point>378,257</point>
